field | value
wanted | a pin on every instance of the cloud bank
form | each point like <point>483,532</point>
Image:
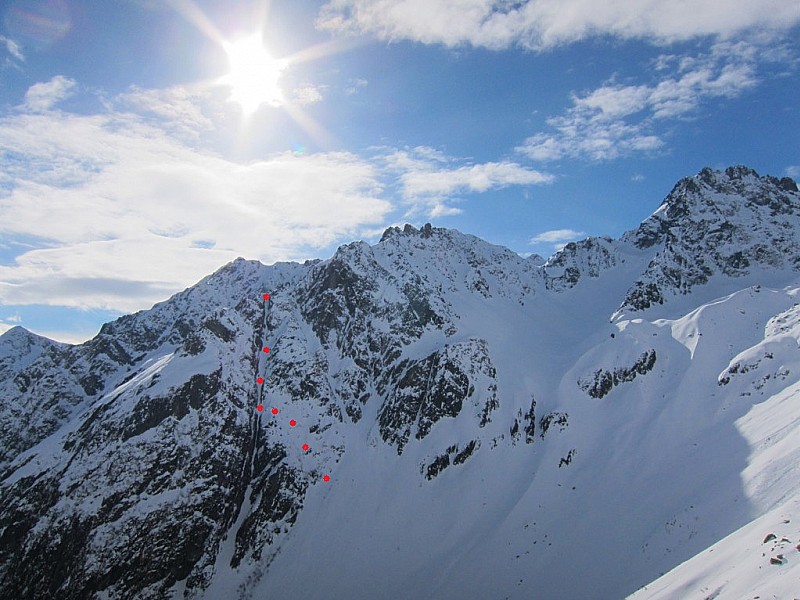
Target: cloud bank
<point>542,24</point>
<point>122,213</point>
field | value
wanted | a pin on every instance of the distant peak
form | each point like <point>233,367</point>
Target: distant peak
<point>19,334</point>
<point>718,195</point>
<point>14,332</point>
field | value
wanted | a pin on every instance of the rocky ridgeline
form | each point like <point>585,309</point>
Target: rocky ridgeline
<point>717,223</point>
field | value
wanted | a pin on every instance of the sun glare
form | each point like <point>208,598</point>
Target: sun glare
<point>254,74</point>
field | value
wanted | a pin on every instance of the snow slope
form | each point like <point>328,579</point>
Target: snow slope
<point>749,563</point>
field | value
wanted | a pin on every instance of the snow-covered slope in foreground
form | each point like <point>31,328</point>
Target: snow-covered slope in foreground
<point>441,418</point>
<point>761,559</point>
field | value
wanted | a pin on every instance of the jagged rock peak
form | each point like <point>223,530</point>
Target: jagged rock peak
<point>409,230</point>
<point>18,345</point>
<point>716,223</point>
<point>739,176</point>
<point>735,181</point>
<point>717,196</point>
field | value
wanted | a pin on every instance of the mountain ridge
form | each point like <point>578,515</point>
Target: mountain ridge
<point>432,375</point>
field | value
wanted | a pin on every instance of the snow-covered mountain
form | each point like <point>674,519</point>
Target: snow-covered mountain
<point>436,417</point>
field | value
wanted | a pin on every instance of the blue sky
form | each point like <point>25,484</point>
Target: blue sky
<point>145,143</point>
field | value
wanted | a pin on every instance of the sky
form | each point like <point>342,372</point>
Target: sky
<point>146,143</point>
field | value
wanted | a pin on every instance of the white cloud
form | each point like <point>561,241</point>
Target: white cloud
<point>179,109</point>
<point>13,48</point>
<point>793,171</point>
<point>442,210</point>
<point>616,120</point>
<point>676,96</point>
<point>429,179</point>
<point>43,96</point>
<point>556,236</point>
<point>127,212</point>
<point>609,102</point>
<point>308,94</point>
<point>579,136</point>
<point>5,327</point>
<point>541,24</point>
<point>637,178</point>
<point>472,178</point>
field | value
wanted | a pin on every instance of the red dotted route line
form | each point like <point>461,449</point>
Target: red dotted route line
<point>275,411</point>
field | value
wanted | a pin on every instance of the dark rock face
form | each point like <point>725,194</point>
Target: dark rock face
<point>433,388</point>
<point>276,498</point>
<point>139,492</point>
<point>558,419</point>
<point>37,396</point>
<point>644,295</point>
<point>602,381</point>
<point>94,527</point>
<point>453,455</point>
<point>567,460</point>
<point>524,423</point>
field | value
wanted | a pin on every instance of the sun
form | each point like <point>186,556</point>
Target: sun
<point>254,74</point>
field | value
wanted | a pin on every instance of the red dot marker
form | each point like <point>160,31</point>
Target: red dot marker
<point>266,350</point>
<point>292,423</point>
<point>260,407</point>
<point>274,411</point>
<point>266,296</point>
<point>305,447</point>
<point>326,478</point>
<point>260,380</point>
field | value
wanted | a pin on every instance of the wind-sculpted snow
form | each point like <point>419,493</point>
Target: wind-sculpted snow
<point>480,416</point>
